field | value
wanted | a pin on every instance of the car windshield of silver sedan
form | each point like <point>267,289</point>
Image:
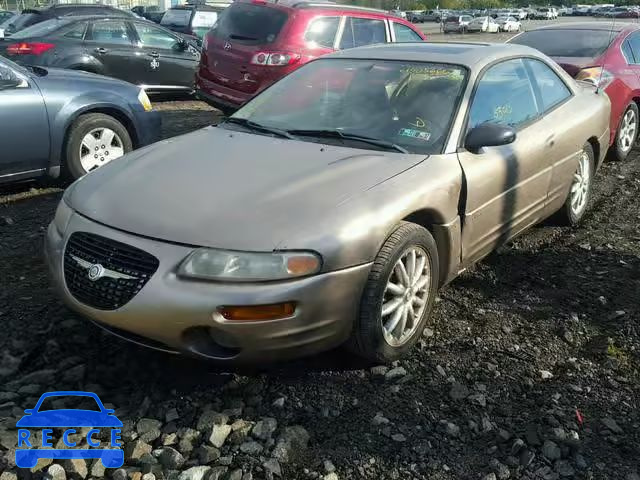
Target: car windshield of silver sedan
<point>371,104</point>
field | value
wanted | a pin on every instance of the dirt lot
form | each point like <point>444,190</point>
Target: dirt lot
<point>530,369</point>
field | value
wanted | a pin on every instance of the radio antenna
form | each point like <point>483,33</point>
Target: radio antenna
<point>613,24</point>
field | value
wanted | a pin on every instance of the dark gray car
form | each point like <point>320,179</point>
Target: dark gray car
<point>53,120</point>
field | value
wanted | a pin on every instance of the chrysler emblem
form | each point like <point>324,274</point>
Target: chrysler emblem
<point>227,46</point>
<point>95,272</point>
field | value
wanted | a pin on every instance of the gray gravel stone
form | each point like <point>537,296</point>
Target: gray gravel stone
<point>235,474</point>
<point>550,450</point>
<point>564,468</point>
<point>217,473</point>
<point>171,458</point>
<point>133,451</point>
<point>458,391</point>
<point>195,473</point>
<point>251,448</point>
<point>148,429</point>
<point>171,415</point>
<point>272,465</point>
<point>398,437</point>
<point>188,439</point>
<point>76,468</point>
<point>279,402</point>
<point>265,428</point>
<point>330,476</point>
<point>478,399</point>
<point>395,373</point>
<point>379,419</point>
<point>489,476</point>
<point>148,476</point>
<point>526,457</point>
<point>452,429</point>
<point>208,454</point>
<point>516,446</point>
<point>219,434</point>
<point>9,476</point>
<point>119,474</point>
<point>210,418</point>
<point>291,442</point>
<point>97,469</point>
<point>54,472</point>
<point>329,467</point>
<point>611,424</point>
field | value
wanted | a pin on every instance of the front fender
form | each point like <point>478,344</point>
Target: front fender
<point>62,120</point>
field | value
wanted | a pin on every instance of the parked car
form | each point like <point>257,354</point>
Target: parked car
<point>193,20</point>
<point>483,24</point>
<point>253,44</point>
<point>68,121</point>
<point>151,12</point>
<point>544,14</point>
<point>32,16</point>
<point>398,13</point>
<point>416,17</point>
<point>369,178</point>
<point>433,16</point>
<point>456,23</point>
<point>138,51</point>
<point>605,54</point>
<point>508,24</point>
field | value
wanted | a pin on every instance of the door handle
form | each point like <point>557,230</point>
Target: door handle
<point>154,54</point>
<point>101,50</point>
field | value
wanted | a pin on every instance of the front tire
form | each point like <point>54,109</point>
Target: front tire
<point>626,135</point>
<point>398,297</point>
<point>577,203</point>
<point>94,140</point>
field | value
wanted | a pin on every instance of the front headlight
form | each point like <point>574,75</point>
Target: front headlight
<point>62,217</point>
<point>233,266</point>
<point>143,98</point>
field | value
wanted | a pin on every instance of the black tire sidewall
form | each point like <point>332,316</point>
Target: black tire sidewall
<point>368,328</point>
<point>83,125</point>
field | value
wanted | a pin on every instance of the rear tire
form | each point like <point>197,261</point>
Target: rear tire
<point>577,203</point>
<point>383,334</point>
<point>94,125</point>
<point>626,135</point>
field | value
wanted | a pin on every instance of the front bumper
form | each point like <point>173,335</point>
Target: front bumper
<point>148,127</point>
<point>180,316</point>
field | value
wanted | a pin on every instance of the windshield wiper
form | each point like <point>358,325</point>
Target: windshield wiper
<point>259,127</point>
<point>378,142</point>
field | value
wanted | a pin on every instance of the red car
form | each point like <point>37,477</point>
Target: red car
<point>256,42</point>
<point>606,54</point>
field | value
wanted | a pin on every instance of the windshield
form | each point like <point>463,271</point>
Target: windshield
<point>19,22</point>
<point>408,104</point>
<point>250,24</point>
<point>567,42</point>
<point>59,402</point>
<point>41,29</point>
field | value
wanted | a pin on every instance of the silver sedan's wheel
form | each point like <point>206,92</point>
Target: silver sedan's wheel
<point>581,185</point>
<point>398,295</point>
<point>405,296</point>
<point>98,147</point>
<point>627,131</point>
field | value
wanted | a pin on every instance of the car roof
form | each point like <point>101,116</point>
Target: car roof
<point>601,25</point>
<point>471,55</point>
<point>315,5</point>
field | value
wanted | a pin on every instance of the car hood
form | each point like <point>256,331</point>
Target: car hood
<point>227,189</point>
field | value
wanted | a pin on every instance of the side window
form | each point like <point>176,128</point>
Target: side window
<point>322,32</point>
<point>634,43</point>
<point>504,95</point>
<point>551,87</point>
<point>154,37</point>
<point>77,31</point>
<point>628,54</point>
<point>111,31</point>
<point>362,31</point>
<point>404,33</point>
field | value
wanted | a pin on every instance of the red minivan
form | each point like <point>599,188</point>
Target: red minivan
<point>256,42</point>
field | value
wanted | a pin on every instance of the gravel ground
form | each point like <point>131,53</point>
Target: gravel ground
<point>529,370</point>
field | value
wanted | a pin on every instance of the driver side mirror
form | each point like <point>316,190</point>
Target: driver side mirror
<point>181,45</point>
<point>489,135</point>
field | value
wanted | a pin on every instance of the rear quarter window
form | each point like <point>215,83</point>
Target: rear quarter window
<point>321,32</point>
<point>250,23</point>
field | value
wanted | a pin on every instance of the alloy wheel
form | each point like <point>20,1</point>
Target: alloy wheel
<point>581,185</point>
<point>98,147</point>
<point>627,132</point>
<point>405,296</point>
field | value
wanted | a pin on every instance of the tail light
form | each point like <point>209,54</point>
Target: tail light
<point>275,59</point>
<point>29,48</point>
<point>598,76</point>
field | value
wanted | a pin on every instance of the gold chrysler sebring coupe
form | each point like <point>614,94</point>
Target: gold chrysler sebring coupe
<point>331,207</point>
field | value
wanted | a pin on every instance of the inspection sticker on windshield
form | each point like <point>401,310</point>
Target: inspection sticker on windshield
<point>417,134</point>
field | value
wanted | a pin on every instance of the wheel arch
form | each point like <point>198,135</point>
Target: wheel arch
<point>447,238</point>
<point>110,110</point>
